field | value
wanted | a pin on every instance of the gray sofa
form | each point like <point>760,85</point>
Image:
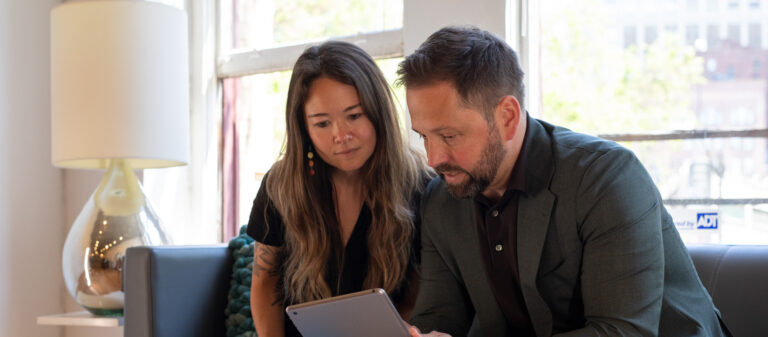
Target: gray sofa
<point>182,291</point>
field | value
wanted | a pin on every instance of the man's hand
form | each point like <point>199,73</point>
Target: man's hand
<point>415,332</point>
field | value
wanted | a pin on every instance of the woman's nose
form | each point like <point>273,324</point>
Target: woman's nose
<point>341,134</point>
<point>342,139</point>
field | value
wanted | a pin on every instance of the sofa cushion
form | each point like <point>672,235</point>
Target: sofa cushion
<point>737,279</point>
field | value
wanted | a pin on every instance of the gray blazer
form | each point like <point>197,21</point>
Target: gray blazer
<point>598,254</point>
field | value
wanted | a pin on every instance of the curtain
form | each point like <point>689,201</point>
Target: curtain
<point>230,168</point>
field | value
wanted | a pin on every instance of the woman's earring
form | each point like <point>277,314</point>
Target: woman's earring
<point>311,155</point>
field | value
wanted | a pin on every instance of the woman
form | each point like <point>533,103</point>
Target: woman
<point>336,214</point>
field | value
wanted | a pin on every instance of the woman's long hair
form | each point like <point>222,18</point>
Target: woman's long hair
<point>305,202</point>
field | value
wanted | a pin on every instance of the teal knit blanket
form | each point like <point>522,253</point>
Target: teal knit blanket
<point>239,322</point>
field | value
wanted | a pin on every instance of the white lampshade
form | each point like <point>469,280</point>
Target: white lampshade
<point>119,84</point>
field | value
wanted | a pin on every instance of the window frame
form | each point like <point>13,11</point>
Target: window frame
<point>420,19</point>
<point>382,44</point>
<point>696,134</point>
<point>534,83</point>
<point>510,19</point>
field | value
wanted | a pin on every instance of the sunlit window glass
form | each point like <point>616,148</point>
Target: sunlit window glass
<point>259,24</point>
<point>639,75</point>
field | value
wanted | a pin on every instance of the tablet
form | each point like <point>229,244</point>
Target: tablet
<point>365,313</point>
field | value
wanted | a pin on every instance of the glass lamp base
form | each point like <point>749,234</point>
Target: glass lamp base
<point>116,216</point>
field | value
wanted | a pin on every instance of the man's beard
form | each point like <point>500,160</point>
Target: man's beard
<point>483,173</point>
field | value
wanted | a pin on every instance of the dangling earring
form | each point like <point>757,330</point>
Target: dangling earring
<point>311,155</point>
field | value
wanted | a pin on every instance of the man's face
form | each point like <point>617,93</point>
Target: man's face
<point>461,145</point>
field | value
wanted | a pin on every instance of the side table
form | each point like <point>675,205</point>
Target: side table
<point>80,318</point>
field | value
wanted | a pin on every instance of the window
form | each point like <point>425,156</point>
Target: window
<point>717,160</point>
<point>734,34</point>
<point>691,34</point>
<point>611,83</point>
<point>713,36</point>
<point>279,31</point>
<point>185,197</point>
<point>630,36</point>
<point>753,29</point>
<point>259,42</point>
<point>260,24</point>
<point>670,29</point>
<point>651,33</point>
<point>713,5</point>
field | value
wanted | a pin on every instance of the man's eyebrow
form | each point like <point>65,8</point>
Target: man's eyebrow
<point>438,129</point>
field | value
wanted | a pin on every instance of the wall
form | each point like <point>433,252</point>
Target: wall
<point>486,14</point>
<point>31,206</point>
<point>37,201</point>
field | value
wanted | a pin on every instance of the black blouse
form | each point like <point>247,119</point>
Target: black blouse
<point>355,259</point>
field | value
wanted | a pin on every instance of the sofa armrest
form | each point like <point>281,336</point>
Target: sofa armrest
<point>176,290</point>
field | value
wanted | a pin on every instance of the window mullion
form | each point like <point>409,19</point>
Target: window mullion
<point>687,134</point>
<point>382,44</point>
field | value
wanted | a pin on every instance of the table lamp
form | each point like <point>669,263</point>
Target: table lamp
<point>119,101</point>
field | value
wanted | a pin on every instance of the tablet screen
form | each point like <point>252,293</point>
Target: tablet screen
<point>365,313</point>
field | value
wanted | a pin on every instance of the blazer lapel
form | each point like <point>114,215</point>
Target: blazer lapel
<point>534,210</point>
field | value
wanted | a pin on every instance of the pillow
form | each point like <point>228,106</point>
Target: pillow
<point>239,322</point>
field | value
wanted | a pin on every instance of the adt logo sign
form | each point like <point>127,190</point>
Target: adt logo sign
<point>706,221</point>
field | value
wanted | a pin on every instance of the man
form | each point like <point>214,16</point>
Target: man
<point>532,229</point>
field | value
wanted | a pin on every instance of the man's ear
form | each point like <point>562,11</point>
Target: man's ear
<point>508,116</point>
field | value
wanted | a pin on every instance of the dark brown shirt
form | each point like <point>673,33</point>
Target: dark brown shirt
<point>497,231</point>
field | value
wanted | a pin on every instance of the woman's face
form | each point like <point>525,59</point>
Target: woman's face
<point>341,132</point>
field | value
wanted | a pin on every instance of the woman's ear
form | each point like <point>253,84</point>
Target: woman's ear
<point>508,116</point>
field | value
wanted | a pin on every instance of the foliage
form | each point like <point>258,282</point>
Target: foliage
<point>297,20</point>
<point>592,84</point>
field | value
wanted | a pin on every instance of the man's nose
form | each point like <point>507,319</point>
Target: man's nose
<point>436,155</point>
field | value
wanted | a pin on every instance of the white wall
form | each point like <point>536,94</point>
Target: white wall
<point>424,17</point>
<point>37,201</point>
<point>31,207</point>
